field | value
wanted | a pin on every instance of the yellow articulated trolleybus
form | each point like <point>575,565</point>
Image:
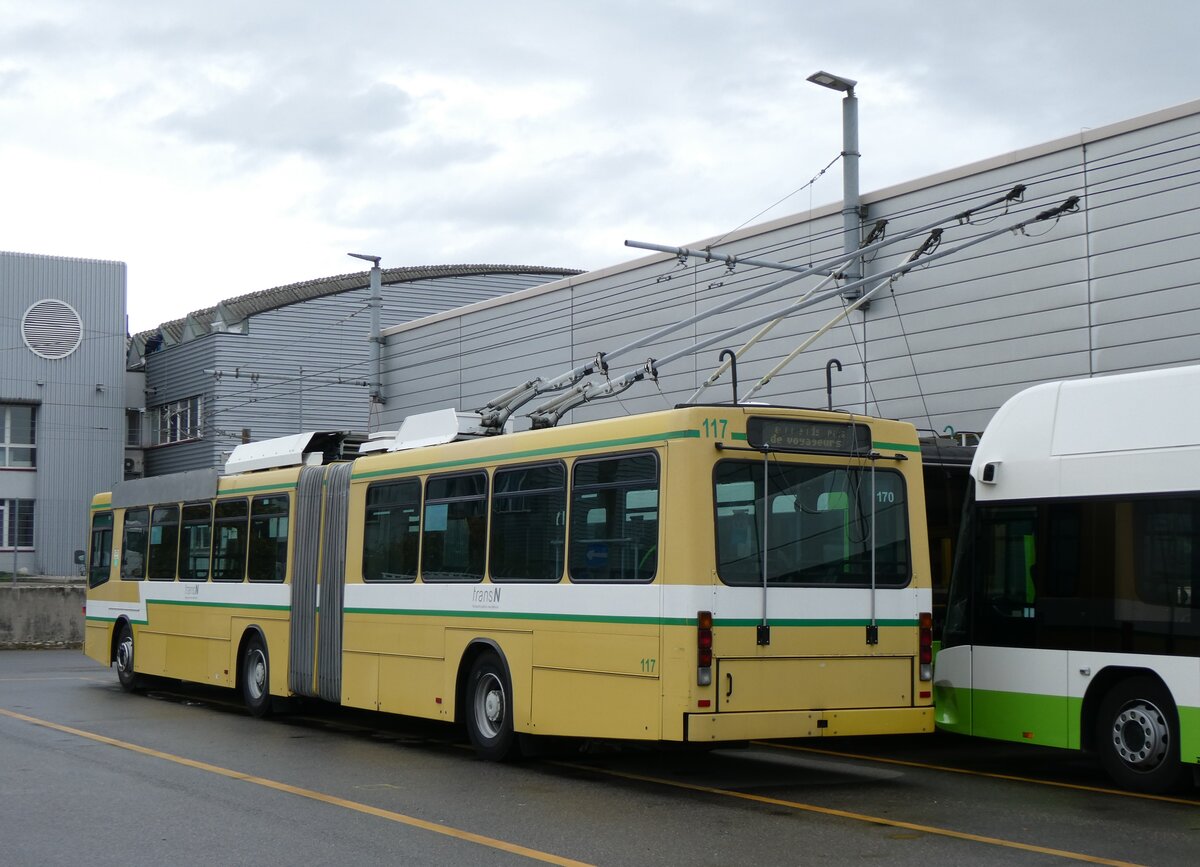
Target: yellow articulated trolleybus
<point>704,575</point>
<point>699,575</point>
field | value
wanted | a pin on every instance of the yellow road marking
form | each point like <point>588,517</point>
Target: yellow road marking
<point>858,817</point>
<point>994,776</point>
<point>391,816</point>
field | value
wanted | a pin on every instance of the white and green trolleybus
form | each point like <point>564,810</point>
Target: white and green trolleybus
<point>1074,610</point>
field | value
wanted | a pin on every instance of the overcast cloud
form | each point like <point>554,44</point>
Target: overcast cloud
<point>228,147</point>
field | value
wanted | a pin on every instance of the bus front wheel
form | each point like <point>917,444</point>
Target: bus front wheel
<point>256,678</point>
<point>123,657</point>
<point>1137,736</point>
<point>489,709</point>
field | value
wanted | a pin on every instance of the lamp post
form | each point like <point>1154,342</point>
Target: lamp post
<point>376,336</point>
<point>852,270</point>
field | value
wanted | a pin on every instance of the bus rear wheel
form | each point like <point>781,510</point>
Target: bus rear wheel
<point>489,709</point>
<point>123,657</point>
<point>256,678</point>
<point>1137,737</point>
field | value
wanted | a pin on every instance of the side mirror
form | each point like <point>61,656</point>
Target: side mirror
<point>80,556</point>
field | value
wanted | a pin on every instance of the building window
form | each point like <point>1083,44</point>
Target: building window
<point>18,426</point>
<point>133,429</point>
<point>178,421</point>
<point>16,524</point>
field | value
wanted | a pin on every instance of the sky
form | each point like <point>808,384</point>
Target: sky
<point>221,148</point>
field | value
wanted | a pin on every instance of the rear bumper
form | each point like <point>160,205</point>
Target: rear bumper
<point>713,727</point>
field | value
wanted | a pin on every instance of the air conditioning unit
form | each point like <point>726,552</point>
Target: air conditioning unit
<point>134,467</point>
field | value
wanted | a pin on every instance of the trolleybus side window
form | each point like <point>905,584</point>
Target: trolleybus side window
<point>230,519</point>
<point>529,506</point>
<point>614,519</point>
<point>164,542</point>
<point>1167,558</point>
<point>819,526</point>
<point>268,538</point>
<point>100,555</point>
<point>195,542</point>
<point>133,544</point>
<point>454,538</point>
<point>392,531</point>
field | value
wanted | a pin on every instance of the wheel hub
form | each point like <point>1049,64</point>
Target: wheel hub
<point>124,655</point>
<point>489,706</point>
<point>493,706</point>
<point>1140,735</point>
<point>258,674</point>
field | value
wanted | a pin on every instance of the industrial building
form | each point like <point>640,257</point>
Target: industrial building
<point>1105,282</point>
<point>285,360</point>
<point>63,396</point>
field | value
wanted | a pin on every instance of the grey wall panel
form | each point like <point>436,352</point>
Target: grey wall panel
<point>1148,329</point>
<point>1165,290</point>
<point>1170,352</point>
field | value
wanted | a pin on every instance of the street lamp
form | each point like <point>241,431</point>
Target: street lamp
<point>852,270</point>
<point>376,336</point>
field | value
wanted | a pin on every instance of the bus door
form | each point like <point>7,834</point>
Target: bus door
<point>1018,679</point>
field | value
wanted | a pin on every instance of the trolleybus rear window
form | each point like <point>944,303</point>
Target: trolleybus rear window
<point>819,526</point>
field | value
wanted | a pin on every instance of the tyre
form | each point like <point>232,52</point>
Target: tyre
<point>256,677</point>
<point>1137,736</point>
<point>489,709</point>
<point>123,657</point>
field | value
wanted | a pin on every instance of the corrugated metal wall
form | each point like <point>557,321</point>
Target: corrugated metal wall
<point>281,375</point>
<point>1111,288</point>
<point>80,399</point>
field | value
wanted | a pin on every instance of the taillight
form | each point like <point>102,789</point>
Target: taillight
<point>926,645</point>
<point>704,644</point>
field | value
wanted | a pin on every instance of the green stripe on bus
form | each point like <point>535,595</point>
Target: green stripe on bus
<point>1030,718</point>
<point>279,487</point>
<point>196,604</point>
<point>600,618</point>
<point>535,453</point>
<point>1189,734</point>
<point>785,621</point>
<point>900,447</point>
<point>539,616</point>
<point>524,615</point>
<point>1048,720</point>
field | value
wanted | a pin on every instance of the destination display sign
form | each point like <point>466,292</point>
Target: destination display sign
<point>797,435</point>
